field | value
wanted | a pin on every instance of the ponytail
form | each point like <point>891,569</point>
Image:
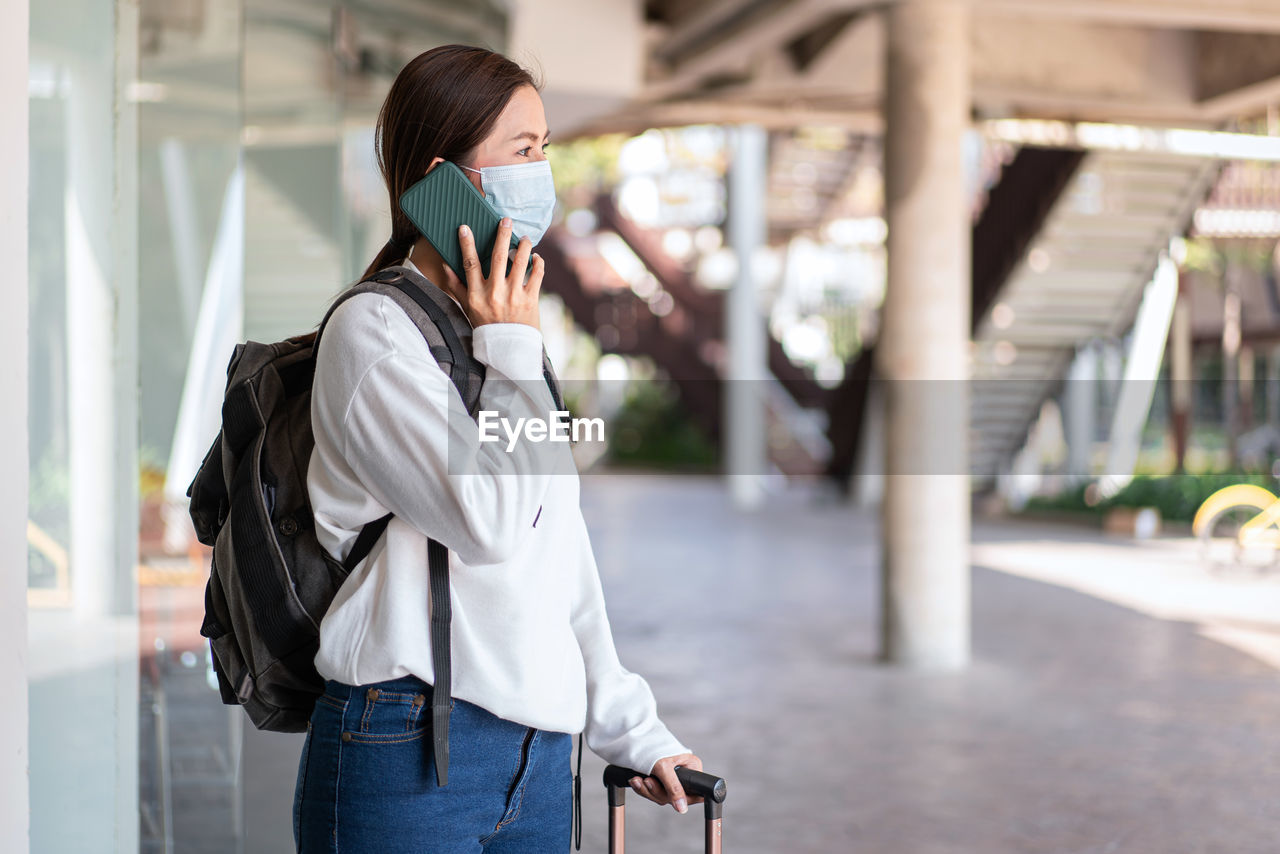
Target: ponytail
<point>393,251</point>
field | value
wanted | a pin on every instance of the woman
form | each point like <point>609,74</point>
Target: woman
<point>533,656</point>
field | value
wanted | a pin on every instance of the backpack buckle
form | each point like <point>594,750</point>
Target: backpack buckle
<point>388,277</point>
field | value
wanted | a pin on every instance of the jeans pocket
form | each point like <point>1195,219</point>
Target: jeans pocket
<point>385,716</point>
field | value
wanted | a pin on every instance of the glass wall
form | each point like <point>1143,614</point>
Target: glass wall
<point>190,260</point>
<point>201,171</point>
<point>82,518</point>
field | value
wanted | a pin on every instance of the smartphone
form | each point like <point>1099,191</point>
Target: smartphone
<point>446,199</point>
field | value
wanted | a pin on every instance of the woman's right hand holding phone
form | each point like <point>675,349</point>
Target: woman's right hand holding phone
<point>501,298</point>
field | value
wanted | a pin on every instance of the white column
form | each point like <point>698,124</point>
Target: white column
<point>743,420</point>
<point>1081,406</point>
<point>923,349</point>
<point>86,657</point>
<point>1141,369</point>
<point>101,267</point>
<point>14,465</point>
<point>91,338</point>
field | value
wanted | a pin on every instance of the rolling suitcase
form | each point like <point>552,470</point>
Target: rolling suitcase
<point>707,786</point>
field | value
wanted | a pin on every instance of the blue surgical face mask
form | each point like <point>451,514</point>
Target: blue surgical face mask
<point>523,191</point>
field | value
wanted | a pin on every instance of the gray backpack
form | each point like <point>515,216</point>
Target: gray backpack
<point>271,582</point>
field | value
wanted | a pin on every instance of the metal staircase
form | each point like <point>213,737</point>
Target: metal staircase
<point>1082,278</point>
<point>1011,215</point>
<point>684,343</point>
<point>1061,254</point>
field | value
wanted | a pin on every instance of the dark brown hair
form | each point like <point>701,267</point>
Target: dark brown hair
<point>443,103</point>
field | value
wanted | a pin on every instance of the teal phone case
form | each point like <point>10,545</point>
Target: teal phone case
<point>446,199</point>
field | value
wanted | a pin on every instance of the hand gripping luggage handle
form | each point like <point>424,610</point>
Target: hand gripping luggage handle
<point>709,787</point>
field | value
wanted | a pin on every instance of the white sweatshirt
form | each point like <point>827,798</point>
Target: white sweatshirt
<point>530,638</point>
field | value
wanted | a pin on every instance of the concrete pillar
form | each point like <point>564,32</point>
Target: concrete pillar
<point>743,421</point>
<point>1081,406</point>
<point>14,465</point>
<point>923,349</point>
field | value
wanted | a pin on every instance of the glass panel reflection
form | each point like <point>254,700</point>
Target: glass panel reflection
<point>190,270</point>
<point>259,200</point>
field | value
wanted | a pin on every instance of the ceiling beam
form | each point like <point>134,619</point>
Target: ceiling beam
<point>1247,100</point>
<point>698,24</point>
<point>1237,73</point>
<point>736,49</point>
<point>705,111</point>
<point>994,100</point>
<point>725,50</point>
<point>1228,15</point>
<point>1170,62</point>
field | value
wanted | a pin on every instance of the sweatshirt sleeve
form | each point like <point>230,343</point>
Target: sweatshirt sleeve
<point>622,715</point>
<point>408,438</point>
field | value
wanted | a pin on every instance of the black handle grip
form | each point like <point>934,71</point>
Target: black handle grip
<point>700,783</point>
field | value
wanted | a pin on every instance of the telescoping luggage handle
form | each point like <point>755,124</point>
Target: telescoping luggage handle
<point>709,787</point>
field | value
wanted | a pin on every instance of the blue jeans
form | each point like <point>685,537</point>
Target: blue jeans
<point>367,780</point>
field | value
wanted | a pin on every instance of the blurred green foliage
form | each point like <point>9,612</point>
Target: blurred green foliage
<point>1212,255</point>
<point>1176,496</point>
<point>49,496</point>
<point>584,167</point>
<point>652,429</point>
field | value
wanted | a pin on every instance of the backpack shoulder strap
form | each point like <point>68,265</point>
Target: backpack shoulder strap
<point>443,330</point>
<point>423,301</point>
<point>446,328</point>
<point>442,323</point>
<point>448,335</point>
<point>467,374</point>
<point>549,374</point>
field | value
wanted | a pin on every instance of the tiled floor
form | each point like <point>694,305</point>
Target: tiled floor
<point>1081,726</point>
